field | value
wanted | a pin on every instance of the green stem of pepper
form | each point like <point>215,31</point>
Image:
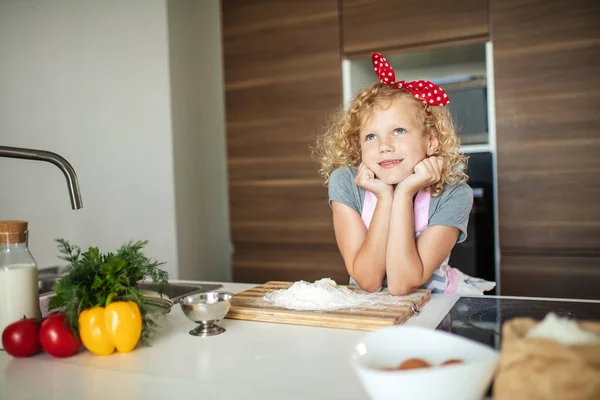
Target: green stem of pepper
<point>110,297</point>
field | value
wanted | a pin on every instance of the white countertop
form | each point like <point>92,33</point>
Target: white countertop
<point>250,360</point>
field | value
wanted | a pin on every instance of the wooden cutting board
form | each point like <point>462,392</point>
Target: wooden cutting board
<point>249,305</point>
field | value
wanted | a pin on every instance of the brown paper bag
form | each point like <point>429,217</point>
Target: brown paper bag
<point>535,368</point>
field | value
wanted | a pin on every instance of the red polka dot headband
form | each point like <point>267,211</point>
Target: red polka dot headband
<point>427,92</point>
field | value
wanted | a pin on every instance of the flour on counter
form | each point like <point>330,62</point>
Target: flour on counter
<point>325,294</point>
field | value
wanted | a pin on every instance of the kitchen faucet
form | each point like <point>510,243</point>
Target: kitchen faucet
<point>48,156</point>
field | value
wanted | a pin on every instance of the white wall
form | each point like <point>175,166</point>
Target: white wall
<point>90,81</point>
<point>198,114</point>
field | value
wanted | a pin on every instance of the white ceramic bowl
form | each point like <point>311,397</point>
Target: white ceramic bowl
<point>388,347</point>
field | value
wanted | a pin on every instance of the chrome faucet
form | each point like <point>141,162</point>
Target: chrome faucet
<point>48,156</point>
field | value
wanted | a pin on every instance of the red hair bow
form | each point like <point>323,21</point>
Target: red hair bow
<point>428,92</point>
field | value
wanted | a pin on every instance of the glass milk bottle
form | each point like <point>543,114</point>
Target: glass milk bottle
<point>18,275</point>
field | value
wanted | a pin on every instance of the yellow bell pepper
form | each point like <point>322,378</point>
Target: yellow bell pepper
<point>118,325</point>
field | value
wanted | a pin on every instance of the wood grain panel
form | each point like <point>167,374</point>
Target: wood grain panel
<point>567,277</point>
<point>249,16</point>
<point>555,96</point>
<point>547,92</point>
<point>282,78</point>
<point>296,261</point>
<point>250,305</point>
<point>547,96</point>
<point>558,115</point>
<point>270,137</point>
<point>377,25</point>
<point>279,202</point>
<point>548,156</point>
<point>550,203</point>
<point>259,274</point>
<point>284,231</point>
<point>292,254</point>
<point>551,237</point>
<point>288,42</point>
<point>274,168</point>
<point>542,25</point>
<point>307,100</point>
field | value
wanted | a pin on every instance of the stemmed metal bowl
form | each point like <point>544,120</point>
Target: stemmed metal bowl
<point>206,309</point>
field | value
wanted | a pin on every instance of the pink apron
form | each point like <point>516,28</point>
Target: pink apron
<point>421,218</point>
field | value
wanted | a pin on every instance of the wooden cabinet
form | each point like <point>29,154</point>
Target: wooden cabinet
<point>546,57</point>
<point>550,275</point>
<point>378,25</point>
<point>282,77</point>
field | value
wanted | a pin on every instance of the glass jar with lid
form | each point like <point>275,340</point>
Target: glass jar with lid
<point>18,275</point>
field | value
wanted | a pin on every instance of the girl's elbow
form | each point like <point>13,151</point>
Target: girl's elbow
<point>400,290</point>
<point>371,286</point>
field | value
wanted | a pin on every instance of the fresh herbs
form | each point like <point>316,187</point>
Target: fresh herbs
<point>96,279</point>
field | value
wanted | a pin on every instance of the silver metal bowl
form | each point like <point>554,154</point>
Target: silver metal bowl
<point>206,309</point>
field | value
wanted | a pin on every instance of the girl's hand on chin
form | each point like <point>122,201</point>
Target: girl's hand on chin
<point>365,178</point>
<point>427,172</point>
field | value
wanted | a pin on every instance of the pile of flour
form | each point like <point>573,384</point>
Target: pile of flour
<point>562,330</point>
<point>325,294</point>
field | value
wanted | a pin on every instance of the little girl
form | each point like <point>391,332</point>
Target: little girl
<point>397,187</point>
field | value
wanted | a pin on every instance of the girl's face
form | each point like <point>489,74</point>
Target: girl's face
<point>392,142</point>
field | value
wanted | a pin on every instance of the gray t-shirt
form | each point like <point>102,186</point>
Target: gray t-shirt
<point>452,208</point>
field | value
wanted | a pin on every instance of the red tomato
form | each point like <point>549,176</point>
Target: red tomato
<point>21,338</point>
<point>56,336</point>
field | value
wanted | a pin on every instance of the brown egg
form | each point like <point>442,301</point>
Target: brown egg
<point>452,361</point>
<point>414,363</point>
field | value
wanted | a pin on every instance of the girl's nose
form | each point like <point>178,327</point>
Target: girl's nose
<point>385,146</point>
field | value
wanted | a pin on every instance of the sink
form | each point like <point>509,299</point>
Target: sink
<point>45,285</point>
<point>174,291</point>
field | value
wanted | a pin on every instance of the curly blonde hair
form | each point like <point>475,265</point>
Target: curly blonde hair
<point>339,144</point>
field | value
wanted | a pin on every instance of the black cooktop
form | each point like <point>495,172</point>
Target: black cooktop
<point>481,318</point>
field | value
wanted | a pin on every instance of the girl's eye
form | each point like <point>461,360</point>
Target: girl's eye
<point>370,136</point>
<point>399,131</point>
